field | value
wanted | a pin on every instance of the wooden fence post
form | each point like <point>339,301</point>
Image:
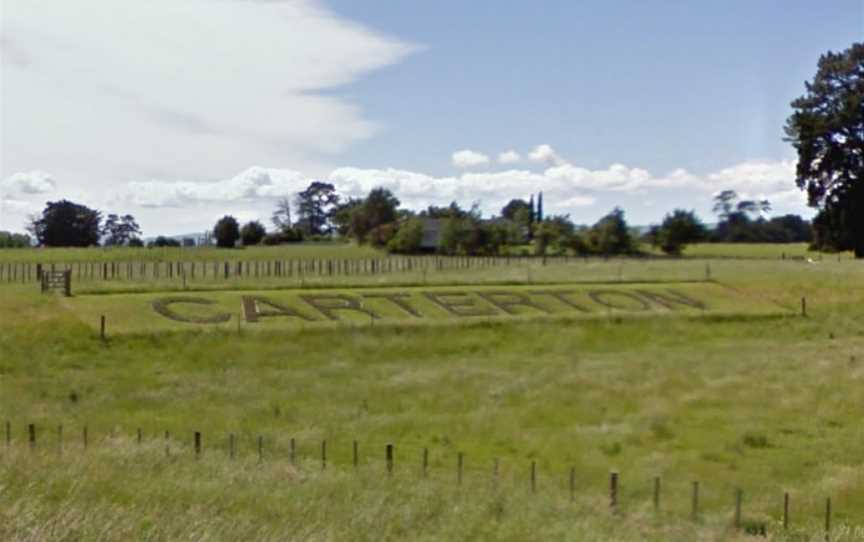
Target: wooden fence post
<point>425,462</point>
<point>459,463</point>
<point>323,454</point>
<point>197,444</point>
<point>8,433</point>
<point>613,491</point>
<point>292,451</point>
<point>140,436</point>
<point>656,493</point>
<point>31,429</point>
<point>167,444</point>
<point>84,437</point>
<point>260,448</point>
<point>804,307</point>
<point>828,518</point>
<point>533,477</point>
<point>786,511</point>
<point>388,452</point>
<point>356,454</point>
<point>572,484</point>
<point>102,328</point>
<point>738,497</point>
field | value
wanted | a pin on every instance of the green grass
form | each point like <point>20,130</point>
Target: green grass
<point>755,250</point>
<point>197,254</point>
<point>770,405</point>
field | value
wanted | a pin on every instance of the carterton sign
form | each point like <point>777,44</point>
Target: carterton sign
<point>321,306</point>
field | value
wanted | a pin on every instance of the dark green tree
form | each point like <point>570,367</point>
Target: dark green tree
<point>827,130</point>
<point>315,206</point>
<point>378,209</point>
<point>66,224</point>
<point>226,232</point>
<point>343,213</point>
<point>252,233</point>
<point>408,237</point>
<point>163,241</point>
<point>610,235</point>
<point>539,217</point>
<point>120,230</point>
<point>679,229</point>
<point>512,210</point>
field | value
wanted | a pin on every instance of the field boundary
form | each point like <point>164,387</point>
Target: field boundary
<point>390,459</point>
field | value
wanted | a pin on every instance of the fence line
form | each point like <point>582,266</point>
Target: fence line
<point>24,272</point>
<point>393,461</point>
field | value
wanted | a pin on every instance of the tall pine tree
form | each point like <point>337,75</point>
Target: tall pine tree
<point>540,207</point>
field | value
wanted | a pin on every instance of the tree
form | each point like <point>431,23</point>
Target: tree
<point>343,214</point>
<point>66,224</point>
<point>282,215</point>
<point>163,241</point>
<point>539,217</point>
<point>827,130</point>
<point>380,208</point>
<point>724,203</point>
<point>753,208</point>
<point>315,206</point>
<point>610,235</point>
<point>252,233</point>
<point>226,232</point>
<point>679,229</point>
<point>451,211</point>
<point>119,231</point>
<point>513,207</point>
<point>553,232</point>
<point>14,240</point>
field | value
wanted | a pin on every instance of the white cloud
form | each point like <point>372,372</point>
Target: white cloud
<point>164,89</point>
<point>467,159</point>
<point>254,183</point>
<point>757,177</point>
<point>509,157</point>
<point>29,182</point>
<point>545,154</point>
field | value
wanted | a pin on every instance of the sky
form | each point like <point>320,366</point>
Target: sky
<point>180,112</point>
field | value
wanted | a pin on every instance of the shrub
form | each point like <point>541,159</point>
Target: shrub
<point>408,237</point>
<point>252,233</point>
<point>290,235</point>
<point>755,440</point>
<point>226,232</point>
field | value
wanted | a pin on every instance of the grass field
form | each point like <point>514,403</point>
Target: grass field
<point>176,254</point>
<point>763,400</point>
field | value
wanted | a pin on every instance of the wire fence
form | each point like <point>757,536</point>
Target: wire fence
<point>410,459</point>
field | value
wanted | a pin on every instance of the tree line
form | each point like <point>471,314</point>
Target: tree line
<point>379,220</point>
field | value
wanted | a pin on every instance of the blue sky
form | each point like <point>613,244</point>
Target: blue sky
<point>658,84</point>
<point>648,105</point>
